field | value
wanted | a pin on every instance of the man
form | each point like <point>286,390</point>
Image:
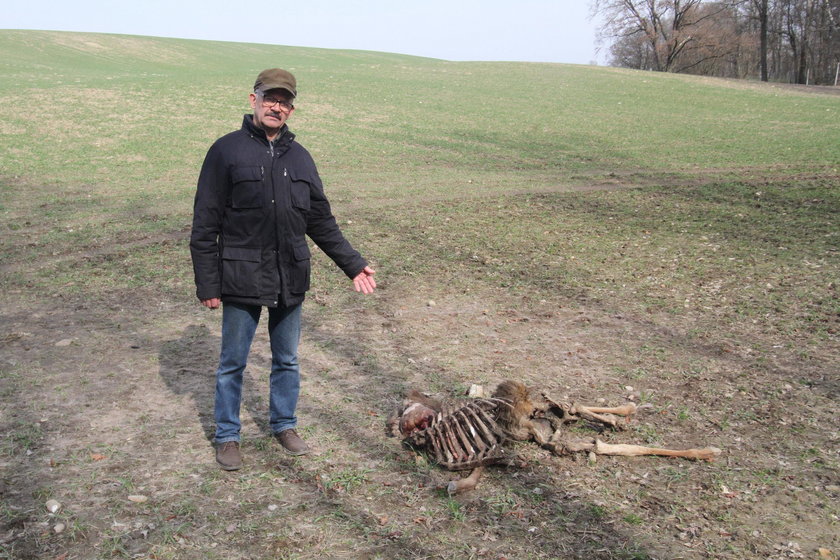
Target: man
<point>258,197</point>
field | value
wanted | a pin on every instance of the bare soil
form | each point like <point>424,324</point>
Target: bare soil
<point>108,401</point>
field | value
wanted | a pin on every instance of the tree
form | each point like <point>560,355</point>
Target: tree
<point>785,40</point>
<point>666,27</point>
<point>761,8</point>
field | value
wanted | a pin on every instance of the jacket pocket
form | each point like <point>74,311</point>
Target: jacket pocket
<point>301,184</point>
<point>300,269</point>
<point>247,191</point>
<point>240,271</point>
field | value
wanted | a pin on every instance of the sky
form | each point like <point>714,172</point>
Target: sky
<point>457,30</point>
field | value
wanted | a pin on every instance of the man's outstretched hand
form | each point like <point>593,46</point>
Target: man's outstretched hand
<point>364,282</point>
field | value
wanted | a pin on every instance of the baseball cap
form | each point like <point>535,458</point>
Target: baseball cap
<point>276,78</point>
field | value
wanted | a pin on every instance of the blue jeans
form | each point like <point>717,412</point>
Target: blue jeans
<point>239,323</point>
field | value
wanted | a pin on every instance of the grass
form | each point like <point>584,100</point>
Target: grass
<point>699,215</point>
<point>681,251</point>
<point>500,125</point>
<point>346,479</point>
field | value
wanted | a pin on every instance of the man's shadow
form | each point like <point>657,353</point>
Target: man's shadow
<point>188,367</point>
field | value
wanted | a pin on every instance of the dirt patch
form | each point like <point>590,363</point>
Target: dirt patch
<point>107,383</point>
<point>109,399</point>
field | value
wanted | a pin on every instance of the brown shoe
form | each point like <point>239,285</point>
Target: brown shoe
<point>228,455</point>
<point>291,442</point>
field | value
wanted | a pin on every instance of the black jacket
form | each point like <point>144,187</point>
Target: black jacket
<point>255,204</point>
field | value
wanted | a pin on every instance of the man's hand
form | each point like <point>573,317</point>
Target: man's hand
<point>212,303</point>
<point>364,282</point>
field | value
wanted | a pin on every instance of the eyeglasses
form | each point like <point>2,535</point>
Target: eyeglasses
<point>285,105</point>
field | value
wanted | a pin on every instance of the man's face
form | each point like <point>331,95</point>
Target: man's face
<point>272,109</point>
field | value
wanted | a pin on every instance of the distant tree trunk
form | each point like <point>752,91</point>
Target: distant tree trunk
<point>796,29</point>
<point>761,9</point>
<point>802,75</point>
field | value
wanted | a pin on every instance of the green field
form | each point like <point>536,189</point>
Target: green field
<point>582,229</point>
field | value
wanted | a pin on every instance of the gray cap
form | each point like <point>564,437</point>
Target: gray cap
<point>276,78</point>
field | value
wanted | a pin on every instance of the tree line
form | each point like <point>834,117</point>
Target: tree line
<point>795,41</point>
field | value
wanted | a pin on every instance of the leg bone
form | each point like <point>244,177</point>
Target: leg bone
<point>601,448</point>
<point>464,484</point>
<point>625,410</point>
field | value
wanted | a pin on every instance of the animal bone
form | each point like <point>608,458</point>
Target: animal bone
<point>628,409</point>
<point>471,434</point>
<point>626,450</point>
<point>463,438</point>
<point>464,484</point>
<point>707,454</point>
<point>574,412</point>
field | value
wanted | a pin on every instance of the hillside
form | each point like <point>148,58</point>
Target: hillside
<point>602,235</point>
<point>394,118</point>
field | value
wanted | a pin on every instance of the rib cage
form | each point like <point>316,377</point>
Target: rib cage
<point>465,437</point>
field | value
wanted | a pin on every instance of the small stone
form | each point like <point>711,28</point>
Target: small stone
<point>52,506</point>
<point>592,458</point>
<point>476,391</point>
<point>431,303</point>
<point>64,342</point>
<point>272,507</point>
<point>138,498</point>
<point>59,528</point>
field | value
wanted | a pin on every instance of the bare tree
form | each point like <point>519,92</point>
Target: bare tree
<point>786,40</point>
<point>666,27</point>
<point>717,41</point>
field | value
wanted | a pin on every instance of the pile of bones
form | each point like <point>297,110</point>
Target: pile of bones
<point>470,434</point>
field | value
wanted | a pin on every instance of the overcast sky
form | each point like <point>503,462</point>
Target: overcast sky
<point>521,30</point>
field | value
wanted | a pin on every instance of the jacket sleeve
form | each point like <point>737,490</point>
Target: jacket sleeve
<point>208,211</point>
<point>323,229</point>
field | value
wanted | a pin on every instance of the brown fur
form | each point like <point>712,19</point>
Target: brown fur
<point>517,419</point>
<point>415,396</point>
